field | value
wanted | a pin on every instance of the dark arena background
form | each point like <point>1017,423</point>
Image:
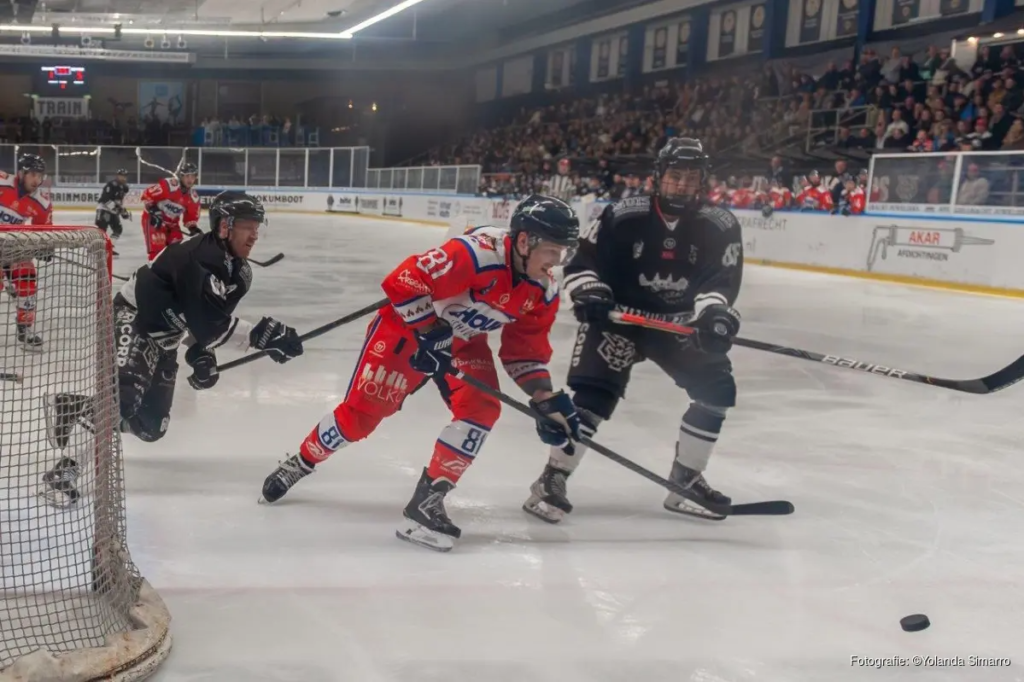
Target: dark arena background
<point>872,152</point>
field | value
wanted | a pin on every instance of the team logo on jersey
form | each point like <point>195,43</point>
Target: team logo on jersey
<point>669,243</point>
<point>485,241</point>
<point>617,351</point>
<point>219,288</point>
<point>9,216</point>
<point>406,279</point>
<point>667,283</point>
<point>379,348</point>
<point>505,298</point>
<point>528,305</point>
<point>638,249</point>
<point>731,257</point>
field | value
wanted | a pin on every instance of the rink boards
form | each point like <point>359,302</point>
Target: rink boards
<point>957,253</point>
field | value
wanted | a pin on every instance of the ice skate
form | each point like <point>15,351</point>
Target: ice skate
<point>58,489</point>
<point>426,522</point>
<point>63,412</point>
<point>28,339</point>
<point>699,494</point>
<point>288,473</point>
<point>548,500</point>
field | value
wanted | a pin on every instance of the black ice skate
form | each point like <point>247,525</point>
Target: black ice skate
<point>63,412</point>
<point>698,495</point>
<point>287,474</point>
<point>58,489</point>
<point>28,339</point>
<point>426,521</point>
<point>548,500</point>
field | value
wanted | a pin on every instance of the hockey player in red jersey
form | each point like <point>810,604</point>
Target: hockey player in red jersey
<point>815,196</point>
<point>853,199</point>
<point>170,204</point>
<point>716,192</point>
<point>442,306</point>
<point>780,197</point>
<point>743,197</point>
<point>23,201</point>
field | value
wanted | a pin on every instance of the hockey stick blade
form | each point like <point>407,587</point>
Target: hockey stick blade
<point>319,331</point>
<point>270,261</point>
<point>119,278</point>
<point>777,508</point>
<point>10,376</point>
<point>997,381</point>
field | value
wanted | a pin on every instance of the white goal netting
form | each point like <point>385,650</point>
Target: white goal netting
<point>72,604</point>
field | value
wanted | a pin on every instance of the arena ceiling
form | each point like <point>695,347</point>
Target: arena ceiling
<point>427,29</point>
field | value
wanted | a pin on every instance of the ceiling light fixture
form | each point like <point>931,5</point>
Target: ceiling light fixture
<point>150,32</point>
<point>386,14</point>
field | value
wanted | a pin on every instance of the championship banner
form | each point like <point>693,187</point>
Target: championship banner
<point>623,55</point>
<point>846,20</point>
<point>755,42</point>
<point>905,11</point>
<point>659,55</point>
<point>59,107</point>
<point>683,44</point>
<point>949,8</point>
<point>604,53</point>
<point>557,64</point>
<point>810,22</point>
<point>727,34</point>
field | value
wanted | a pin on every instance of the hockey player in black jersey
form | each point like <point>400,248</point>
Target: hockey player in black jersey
<point>187,294</point>
<point>667,255</point>
<point>110,210</point>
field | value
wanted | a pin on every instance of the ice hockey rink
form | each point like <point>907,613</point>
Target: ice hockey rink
<point>909,499</point>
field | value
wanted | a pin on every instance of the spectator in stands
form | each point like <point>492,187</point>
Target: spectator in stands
<point>981,138</point>
<point>897,124</point>
<point>1014,139</point>
<point>974,188</point>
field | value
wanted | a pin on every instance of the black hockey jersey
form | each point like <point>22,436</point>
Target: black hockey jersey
<point>656,266</point>
<point>112,197</point>
<point>193,287</point>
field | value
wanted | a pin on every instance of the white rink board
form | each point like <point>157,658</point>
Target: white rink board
<point>968,254</point>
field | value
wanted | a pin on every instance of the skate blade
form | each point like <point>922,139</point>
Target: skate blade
<point>31,348</point>
<point>680,505</point>
<point>542,510</point>
<point>413,532</point>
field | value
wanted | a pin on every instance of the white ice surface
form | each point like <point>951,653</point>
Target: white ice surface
<point>909,499</point>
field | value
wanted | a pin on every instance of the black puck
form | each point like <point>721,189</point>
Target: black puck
<point>915,623</point>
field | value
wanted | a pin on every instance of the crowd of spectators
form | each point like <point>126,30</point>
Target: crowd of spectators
<point>935,105</point>
<point>147,131</point>
<point>254,131</point>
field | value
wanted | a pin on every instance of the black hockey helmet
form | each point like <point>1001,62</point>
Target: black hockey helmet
<point>31,162</point>
<point>547,218</point>
<point>681,154</point>
<point>122,171</point>
<point>233,205</point>
<point>187,169</point>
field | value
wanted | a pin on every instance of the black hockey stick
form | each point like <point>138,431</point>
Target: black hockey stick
<point>319,331</point>
<point>120,278</point>
<point>774,508</point>
<point>10,376</point>
<point>270,261</point>
<point>996,381</point>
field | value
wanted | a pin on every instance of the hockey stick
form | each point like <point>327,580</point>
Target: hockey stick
<point>774,508</point>
<point>10,376</point>
<point>997,381</point>
<point>319,331</point>
<point>267,263</point>
<point>120,278</point>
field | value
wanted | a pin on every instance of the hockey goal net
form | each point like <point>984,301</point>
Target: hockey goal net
<point>72,604</point>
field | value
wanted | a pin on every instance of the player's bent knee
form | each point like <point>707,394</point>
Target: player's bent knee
<point>717,389</point>
<point>595,400</point>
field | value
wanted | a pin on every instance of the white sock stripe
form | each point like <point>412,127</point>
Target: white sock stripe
<point>694,432</point>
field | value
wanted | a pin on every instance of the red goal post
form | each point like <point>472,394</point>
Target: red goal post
<point>73,606</point>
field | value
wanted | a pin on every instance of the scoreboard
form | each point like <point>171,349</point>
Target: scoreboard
<point>61,81</point>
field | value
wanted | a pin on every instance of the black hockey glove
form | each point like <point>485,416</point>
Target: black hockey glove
<point>193,230</point>
<point>716,325</point>
<point>592,301</point>
<point>558,421</point>
<point>156,217</point>
<point>434,355</point>
<point>203,362</point>
<point>125,214</point>
<point>281,342</point>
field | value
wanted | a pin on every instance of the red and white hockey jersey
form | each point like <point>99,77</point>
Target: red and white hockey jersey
<point>179,207</point>
<point>814,198</point>
<point>742,197</point>
<point>780,198</point>
<point>856,199</point>
<point>19,209</point>
<point>468,282</point>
